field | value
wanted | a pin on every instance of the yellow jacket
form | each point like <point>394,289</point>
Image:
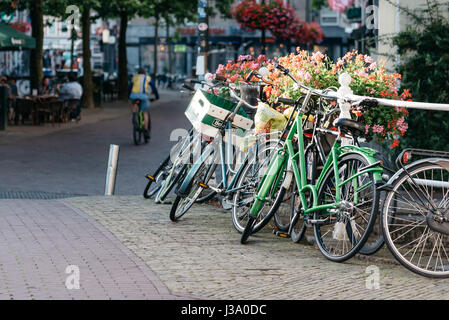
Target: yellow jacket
<point>141,84</point>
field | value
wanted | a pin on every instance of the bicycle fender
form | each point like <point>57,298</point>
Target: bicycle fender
<point>439,161</point>
<point>368,153</point>
<point>184,188</point>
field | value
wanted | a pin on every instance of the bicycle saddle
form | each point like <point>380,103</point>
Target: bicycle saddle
<point>356,129</point>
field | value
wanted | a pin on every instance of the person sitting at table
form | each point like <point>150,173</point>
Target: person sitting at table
<point>45,87</point>
<point>72,90</point>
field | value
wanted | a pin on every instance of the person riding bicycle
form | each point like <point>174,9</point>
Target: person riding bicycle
<point>140,90</point>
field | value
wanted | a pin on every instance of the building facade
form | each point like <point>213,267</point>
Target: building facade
<point>226,41</point>
<point>393,20</point>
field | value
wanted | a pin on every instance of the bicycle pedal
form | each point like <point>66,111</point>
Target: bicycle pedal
<point>281,234</point>
<point>150,177</point>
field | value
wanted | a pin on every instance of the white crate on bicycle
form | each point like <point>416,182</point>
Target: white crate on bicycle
<point>207,112</point>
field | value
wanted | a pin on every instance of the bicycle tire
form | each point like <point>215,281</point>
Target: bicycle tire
<point>298,230</point>
<point>248,230</point>
<point>137,133</point>
<point>194,188</point>
<point>339,224</point>
<point>375,241</point>
<point>147,194</point>
<point>239,218</point>
<point>410,201</point>
<point>166,189</point>
<point>174,177</point>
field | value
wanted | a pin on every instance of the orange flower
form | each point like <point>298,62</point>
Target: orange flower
<point>395,144</point>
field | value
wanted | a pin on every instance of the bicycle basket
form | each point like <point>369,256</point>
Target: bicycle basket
<point>207,113</point>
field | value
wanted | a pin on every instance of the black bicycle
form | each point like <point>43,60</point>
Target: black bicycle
<point>139,133</point>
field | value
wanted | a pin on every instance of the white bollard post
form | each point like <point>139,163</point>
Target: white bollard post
<point>112,170</point>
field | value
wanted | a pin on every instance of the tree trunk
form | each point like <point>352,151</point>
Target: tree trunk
<point>88,93</point>
<point>36,56</point>
<point>122,58</point>
<point>156,45</point>
<point>170,54</point>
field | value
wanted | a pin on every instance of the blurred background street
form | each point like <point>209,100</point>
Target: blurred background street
<point>73,160</point>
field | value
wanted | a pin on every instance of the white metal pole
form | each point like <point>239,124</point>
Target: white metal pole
<point>112,170</point>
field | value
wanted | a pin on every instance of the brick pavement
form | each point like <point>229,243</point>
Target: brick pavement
<point>201,255</point>
<point>40,239</point>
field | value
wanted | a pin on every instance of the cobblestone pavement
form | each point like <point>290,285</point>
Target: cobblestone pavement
<point>39,239</point>
<point>201,255</point>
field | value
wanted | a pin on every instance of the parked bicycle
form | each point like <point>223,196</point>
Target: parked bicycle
<point>342,204</point>
<point>216,155</point>
<point>415,217</point>
<point>176,164</point>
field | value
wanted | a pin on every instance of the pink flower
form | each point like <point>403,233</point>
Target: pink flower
<point>367,129</point>
<point>220,69</point>
<point>318,56</point>
<point>402,125</point>
<point>378,128</point>
<point>254,66</point>
<point>362,73</point>
<point>368,59</point>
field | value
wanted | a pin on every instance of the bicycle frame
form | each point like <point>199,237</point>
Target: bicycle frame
<point>279,162</point>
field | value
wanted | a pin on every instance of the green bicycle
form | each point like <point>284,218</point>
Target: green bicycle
<point>342,205</point>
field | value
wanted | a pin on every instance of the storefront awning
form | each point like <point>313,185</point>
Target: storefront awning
<point>11,39</point>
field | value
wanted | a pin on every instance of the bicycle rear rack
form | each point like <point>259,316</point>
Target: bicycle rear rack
<point>406,154</point>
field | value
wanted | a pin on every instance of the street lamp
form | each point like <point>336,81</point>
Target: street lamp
<point>203,37</point>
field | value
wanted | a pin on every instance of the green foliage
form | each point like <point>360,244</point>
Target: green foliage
<point>424,47</point>
<point>222,7</point>
<point>318,4</point>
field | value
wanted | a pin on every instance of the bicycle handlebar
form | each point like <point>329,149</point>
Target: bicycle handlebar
<point>290,102</point>
<point>352,98</point>
<point>235,96</point>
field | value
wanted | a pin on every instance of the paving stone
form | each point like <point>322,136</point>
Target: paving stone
<point>201,255</point>
<point>43,237</point>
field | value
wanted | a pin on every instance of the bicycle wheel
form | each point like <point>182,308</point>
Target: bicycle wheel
<point>248,230</point>
<point>288,201</point>
<point>156,180</point>
<point>176,174</point>
<point>299,225</point>
<point>414,219</point>
<point>245,196</point>
<point>281,216</point>
<point>341,233</point>
<point>376,241</point>
<point>137,133</point>
<point>181,154</point>
<point>182,204</point>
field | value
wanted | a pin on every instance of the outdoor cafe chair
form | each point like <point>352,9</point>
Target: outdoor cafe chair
<point>70,107</point>
<point>24,109</point>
